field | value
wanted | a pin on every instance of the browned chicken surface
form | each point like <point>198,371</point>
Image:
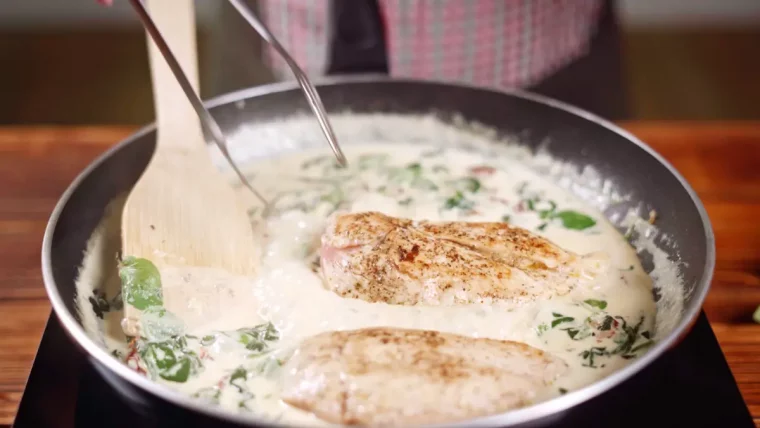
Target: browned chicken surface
<point>396,377</point>
<point>378,258</point>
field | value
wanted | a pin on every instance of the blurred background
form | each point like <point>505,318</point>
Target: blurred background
<point>74,62</point>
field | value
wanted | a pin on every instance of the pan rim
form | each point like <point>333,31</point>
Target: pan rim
<point>532,413</point>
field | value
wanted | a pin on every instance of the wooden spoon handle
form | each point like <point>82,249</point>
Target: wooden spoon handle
<point>177,122</point>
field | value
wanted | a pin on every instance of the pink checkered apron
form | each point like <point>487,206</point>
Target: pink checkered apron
<point>489,43</point>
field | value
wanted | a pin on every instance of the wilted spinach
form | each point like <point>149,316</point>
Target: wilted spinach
<point>547,210</point>
<point>170,359</point>
<point>458,201</point>
<point>257,338</point>
<point>575,220</point>
<point>140,283</point>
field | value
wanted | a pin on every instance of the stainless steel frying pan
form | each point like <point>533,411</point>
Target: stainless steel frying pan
<point>577,136</point>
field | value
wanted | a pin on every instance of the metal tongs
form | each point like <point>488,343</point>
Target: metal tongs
<point>206,120</point>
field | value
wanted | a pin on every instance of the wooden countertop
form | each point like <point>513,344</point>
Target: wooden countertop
<point>721,160</point>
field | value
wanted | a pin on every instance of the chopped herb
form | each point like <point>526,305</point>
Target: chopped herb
<point>575,220</point>
<point>542,226</point>
<point>99,303</point>
<point>656,294</point>
<point>458,201</point>
<point>600,304</point>
<point>141,283</point>
<point>607,323</point>
<point>641,346</point>
<point>570,219</point>
<point>209,395</point>
<point>168,356</point>
<point>179,372</point>
<point>405,202</point>
<point>562,391</point>
<point>264,331</point>
<point>548,213</point>
<point>268,366</point>
<point>407,173</point>
<point>558,321</point>
<point>415,169</point>
<point>412,174</point>
<point>505,218</point>
<point>542,328</point>
<point>581,333</point>
<point>255,338</point>
<point>169,359</point>
<point>589,355</point>
<point>252,345</point>
<point>239,375</point>
<point>629,337</point>
<point>237,379</point>
<point>471,184</point>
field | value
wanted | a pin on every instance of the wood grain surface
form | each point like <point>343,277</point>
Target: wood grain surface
<point>721,160</point>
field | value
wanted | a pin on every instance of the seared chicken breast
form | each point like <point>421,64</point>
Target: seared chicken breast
<point>378,258</point>
<point>391,376</point>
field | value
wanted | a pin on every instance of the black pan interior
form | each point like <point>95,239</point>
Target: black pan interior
<point>571,137</point>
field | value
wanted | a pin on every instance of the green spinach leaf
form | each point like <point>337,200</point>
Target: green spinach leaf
<point>157,324</point>
<point>256,338</point>
<point>458,201</point>
<point>167,361</point>
<point>141,283</point>
<point>471,184</point>
<point>575,220</point>
<point>599,304</point>
<point>557,321</point>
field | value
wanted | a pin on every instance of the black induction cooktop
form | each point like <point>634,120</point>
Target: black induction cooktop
<point>690,386</point>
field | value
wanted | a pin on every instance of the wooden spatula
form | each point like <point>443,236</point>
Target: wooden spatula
<point>182,212</point>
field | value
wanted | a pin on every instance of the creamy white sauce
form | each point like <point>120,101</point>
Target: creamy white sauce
<point>289,293</point>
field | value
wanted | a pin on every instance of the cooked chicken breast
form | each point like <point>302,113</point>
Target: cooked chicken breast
<point>391,377</point>
<point>377,258</point>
